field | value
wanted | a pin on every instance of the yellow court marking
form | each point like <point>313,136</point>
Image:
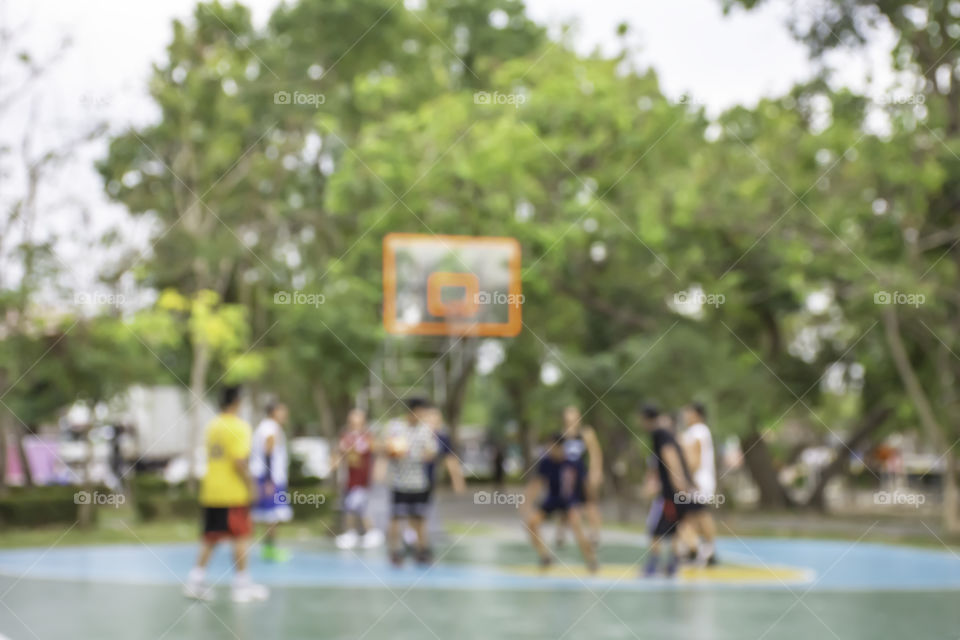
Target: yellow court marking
<point>721,574</point>
<point>745,574</point>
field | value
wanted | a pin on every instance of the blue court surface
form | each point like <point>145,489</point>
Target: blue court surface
<point>768,588</point>
<point>766,563</point>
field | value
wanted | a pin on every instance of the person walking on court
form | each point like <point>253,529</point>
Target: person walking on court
<point>447,456</point>
<point>225,495</point>
<point>673,477</point>
<point>554,491</point>
<point>410,445</point>
<point>356,448</point>
<point>269,465</point>
<point>697,444</point>
<point>582,448</point>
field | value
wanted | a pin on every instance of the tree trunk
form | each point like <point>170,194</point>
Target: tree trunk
<point>4,435</point>
<point>21,433</point>
<point>85,509</point>
<point>526,447</point>
<point>624,458</point>
<point>928,420</point>
<point>870,424</point>
<point>6,428</point>
<point>198,382</point>
<point>756,456</point>
<point>951,519</point>
<point>457,383</point>
<point>908,376</point>
<point>321,401</point>
<point>518,407</point>
<point>948,402</point>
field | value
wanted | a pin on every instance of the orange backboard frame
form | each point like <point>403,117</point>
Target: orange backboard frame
<point>459,312</point>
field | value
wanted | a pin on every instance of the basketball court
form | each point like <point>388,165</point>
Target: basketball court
<point>486,585</point>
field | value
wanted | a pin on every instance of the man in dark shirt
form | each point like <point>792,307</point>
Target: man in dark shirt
<point>674,483</point>
<point>557,478</point>
<point>445,454</point>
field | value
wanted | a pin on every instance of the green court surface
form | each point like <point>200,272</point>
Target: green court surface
<point>36,609</point>
<point>481,589</point>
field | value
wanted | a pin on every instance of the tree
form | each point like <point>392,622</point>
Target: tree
<point>911,183</point>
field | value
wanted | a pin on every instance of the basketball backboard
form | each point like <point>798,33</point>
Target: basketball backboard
<point>451,285</point>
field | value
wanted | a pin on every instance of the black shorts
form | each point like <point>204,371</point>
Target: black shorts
<point>685,508</point>
<point>226,522</point>
<point>664,518</point>
<point>556,504</point>
<point>410,504</point>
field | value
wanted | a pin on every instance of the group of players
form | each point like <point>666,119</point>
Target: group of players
<point>414,447</point>
<point>681,483</point>
<point>246,481</point>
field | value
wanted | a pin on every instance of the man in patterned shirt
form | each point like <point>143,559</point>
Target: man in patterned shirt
<point>410,445</point>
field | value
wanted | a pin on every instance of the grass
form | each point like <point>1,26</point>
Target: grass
<point>121,526</point>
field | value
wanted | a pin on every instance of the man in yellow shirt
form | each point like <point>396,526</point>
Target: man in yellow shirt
<point>225,496</point>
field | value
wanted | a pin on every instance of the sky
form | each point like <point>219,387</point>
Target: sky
<point>718,60</point>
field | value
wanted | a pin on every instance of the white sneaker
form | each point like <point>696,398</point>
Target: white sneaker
<point>249,592</point>
<point>372,538</point>
<point>198,591</point>
<point>347,540</point>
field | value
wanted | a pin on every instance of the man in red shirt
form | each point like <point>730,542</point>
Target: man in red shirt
<point>356,449</point>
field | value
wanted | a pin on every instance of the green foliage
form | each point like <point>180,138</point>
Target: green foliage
<point>154,499</point>
<point>311,503</point>
<point>38,506</point>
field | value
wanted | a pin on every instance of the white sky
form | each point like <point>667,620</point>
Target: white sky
<point>718,60</point>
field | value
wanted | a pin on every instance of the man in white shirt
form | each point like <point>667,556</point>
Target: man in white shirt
<point>410,445</point>
<point>268,466</point>
<point>698,451</point>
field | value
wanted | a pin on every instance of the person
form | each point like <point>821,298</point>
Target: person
<point>581,446</point>
<point>672,477</point>
<point>356,448</point>
<point>499,461</point>
<point>225,495</point>
<point>445,453</point>
<point>698,452</point>
<point>410,445</point>
<point>269,465</point>
<point>451,463</point>
<point>115,439</point>
<point>556,479</point>
<point>686,536</point>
